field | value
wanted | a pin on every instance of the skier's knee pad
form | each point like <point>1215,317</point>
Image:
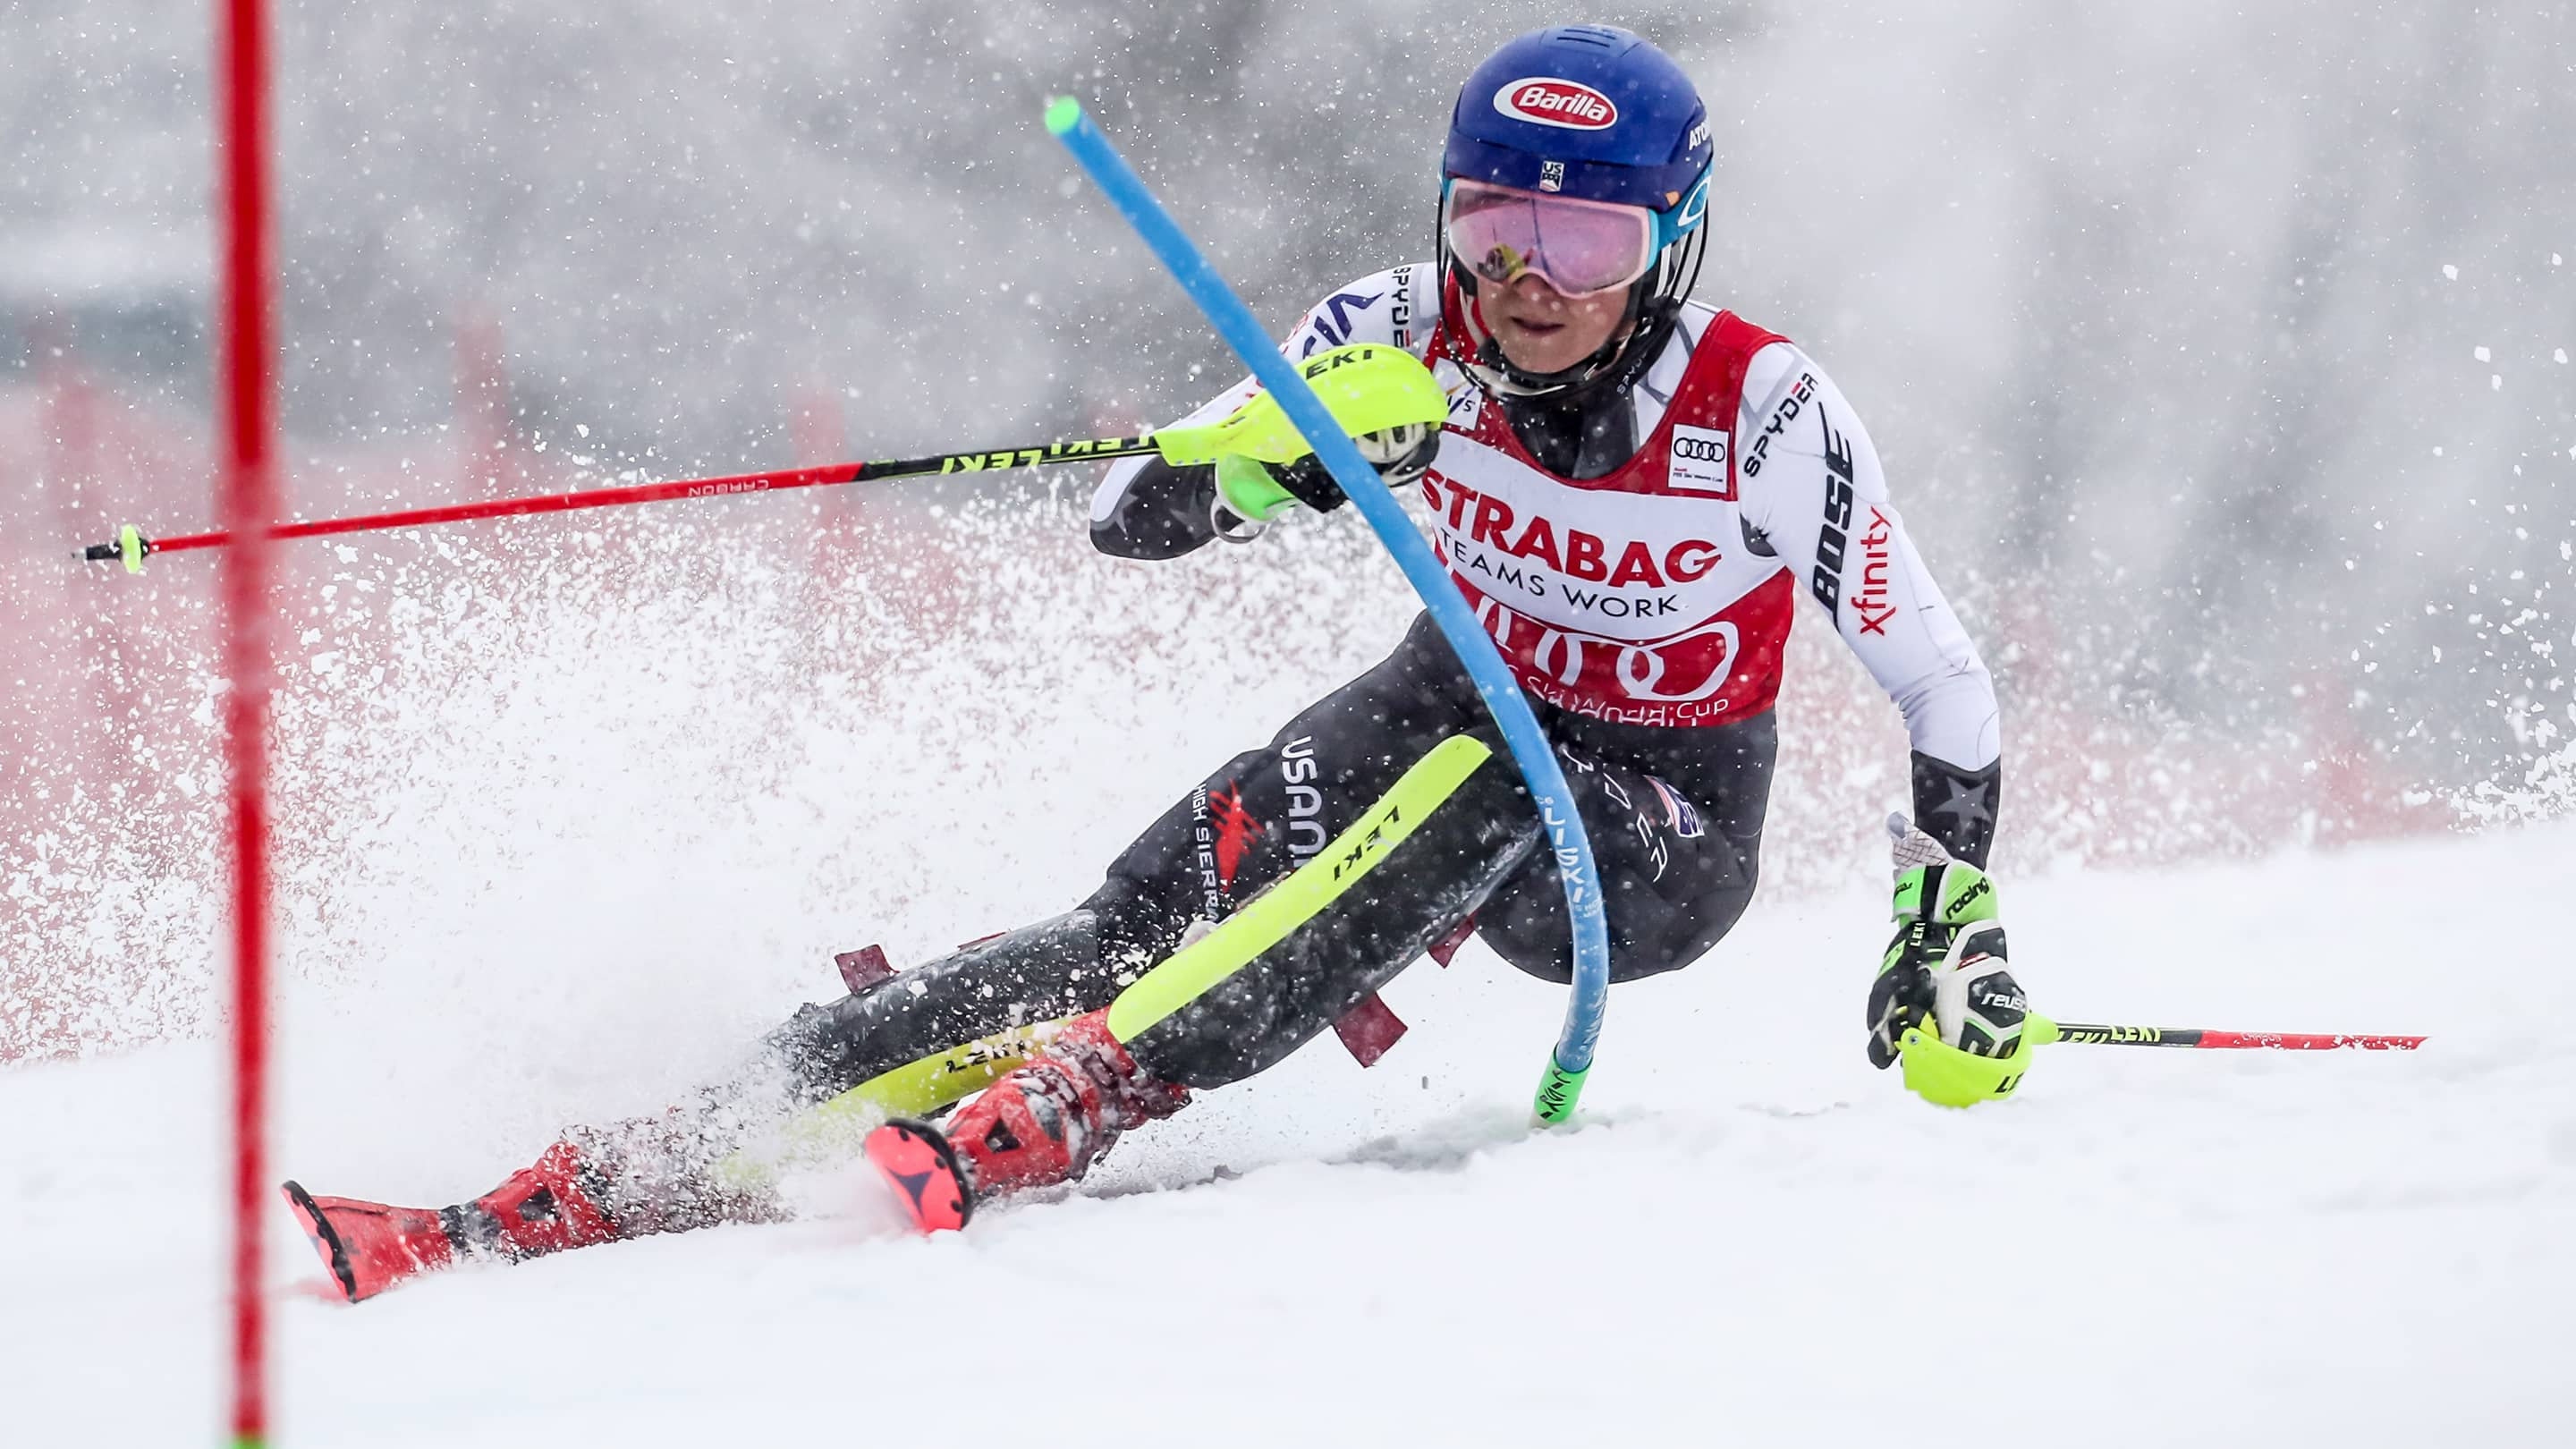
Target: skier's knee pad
<point>1354,944</point>
<point>1649,935</point>
<point>1061,966</point>
<point>1670,886</point>
<point>1135,922</point>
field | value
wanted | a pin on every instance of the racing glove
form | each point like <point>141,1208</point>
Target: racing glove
<point>1258,492</point>
<point>1946,977</point>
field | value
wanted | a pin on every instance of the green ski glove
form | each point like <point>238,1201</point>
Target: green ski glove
<point>1945,1002</point>
<point>1259,491</point>
<point>1384,398</point>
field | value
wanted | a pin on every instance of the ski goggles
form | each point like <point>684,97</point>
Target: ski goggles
<point>1581,248</point>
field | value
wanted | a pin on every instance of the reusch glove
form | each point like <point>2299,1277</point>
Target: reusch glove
<point>1259,492</point>
<point>1946,973</point>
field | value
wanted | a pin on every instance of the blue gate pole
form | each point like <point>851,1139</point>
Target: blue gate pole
<point>1562,1085</point>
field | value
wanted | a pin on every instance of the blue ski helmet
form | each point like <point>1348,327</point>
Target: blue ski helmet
<point>1597,113</point>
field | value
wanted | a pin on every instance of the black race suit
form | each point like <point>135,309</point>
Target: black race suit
<point>1674,815</point>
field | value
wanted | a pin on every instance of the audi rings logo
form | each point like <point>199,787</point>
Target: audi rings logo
<point>1553,102</point>
<point>1699,462</point>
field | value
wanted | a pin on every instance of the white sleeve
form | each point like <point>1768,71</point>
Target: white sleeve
<point>1810,483</point>
<point>1399,307</point>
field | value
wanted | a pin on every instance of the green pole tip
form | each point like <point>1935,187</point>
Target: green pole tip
<point>129,541</point>
<point>1558,1091</point>
<point>1062,115</point>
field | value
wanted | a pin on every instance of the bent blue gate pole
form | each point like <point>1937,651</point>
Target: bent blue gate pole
<point>1563,1084</point>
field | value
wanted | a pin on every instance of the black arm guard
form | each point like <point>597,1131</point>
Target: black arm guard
<point>1163,514</point>
<point>1957,807</point>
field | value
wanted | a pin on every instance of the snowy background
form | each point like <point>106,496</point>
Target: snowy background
<point>1751,1238</point>
<point>2219,355</point>
<point>2234,332</point>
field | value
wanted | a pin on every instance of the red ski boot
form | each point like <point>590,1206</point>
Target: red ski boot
<point>369,1246</point>
<point>1043,1124</point>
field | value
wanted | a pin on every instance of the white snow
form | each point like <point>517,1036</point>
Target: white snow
<point>1752,1238</point>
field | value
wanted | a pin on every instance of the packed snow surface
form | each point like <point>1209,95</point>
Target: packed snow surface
<point>1751,1237</point>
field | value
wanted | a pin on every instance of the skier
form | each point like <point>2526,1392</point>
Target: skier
<point>1633,490</point>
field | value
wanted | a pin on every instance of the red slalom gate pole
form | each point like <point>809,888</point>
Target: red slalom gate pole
<point>248,508</point>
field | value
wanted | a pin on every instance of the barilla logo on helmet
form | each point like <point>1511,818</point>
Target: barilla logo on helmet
<point>1553,102</point>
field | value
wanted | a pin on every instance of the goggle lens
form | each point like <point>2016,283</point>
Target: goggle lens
<point>1581,248</point>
